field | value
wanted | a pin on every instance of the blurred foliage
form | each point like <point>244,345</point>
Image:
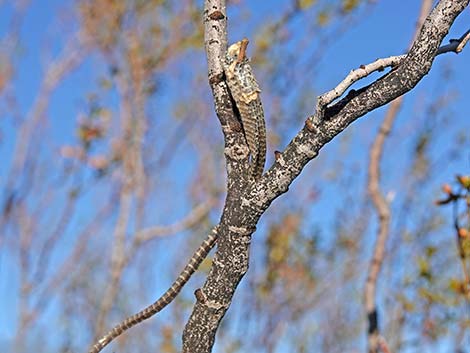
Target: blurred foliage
<point>459,198</point>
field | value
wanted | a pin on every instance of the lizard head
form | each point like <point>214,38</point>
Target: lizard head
<point>237,51</point>
<point>234,50</point>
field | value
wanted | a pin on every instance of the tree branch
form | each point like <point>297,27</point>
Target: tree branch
<point>193,217</point>
<point>246,201</point>
<point>230,261</point>
<point>329,121</point>
<point>455,45</point>
<point>382,208</point>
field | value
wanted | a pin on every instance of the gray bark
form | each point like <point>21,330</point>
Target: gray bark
<point>248,199</point>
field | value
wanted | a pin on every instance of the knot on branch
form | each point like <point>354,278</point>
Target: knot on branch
<point>216,15</point>
<point>216,78</point>
<point>372,318</point>
<point>200,296</point>
<point>237,152</point>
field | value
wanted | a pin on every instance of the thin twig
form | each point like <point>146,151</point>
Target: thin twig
<point>194,217</point>
<point>455,45</point>
<point>242,53</point>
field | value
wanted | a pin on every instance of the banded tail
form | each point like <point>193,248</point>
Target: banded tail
<point>165,299</point>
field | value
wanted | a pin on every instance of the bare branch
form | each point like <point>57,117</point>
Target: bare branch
<point>215,42</point>
<point>231,259</point>
<point>328,121</point>
<point>72,55</point>
<point>247,202</point>
<point>356,75</point>
<point>382,208</point>
<point>383,345</point>
<point>118,260</point>
<point>455,45</point>
<point>242,54</point>
<point>190,220</point>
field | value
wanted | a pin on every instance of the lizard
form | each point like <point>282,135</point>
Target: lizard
<point>245,91</point>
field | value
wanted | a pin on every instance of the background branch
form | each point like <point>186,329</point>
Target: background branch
<point>382,208</point>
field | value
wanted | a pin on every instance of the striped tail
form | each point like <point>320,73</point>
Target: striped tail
<point>165,299</point>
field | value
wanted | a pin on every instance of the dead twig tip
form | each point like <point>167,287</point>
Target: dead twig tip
<point>242,52</point>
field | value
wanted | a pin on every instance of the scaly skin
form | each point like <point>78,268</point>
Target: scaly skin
<point>165,299</point>
<point>246,94</point>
